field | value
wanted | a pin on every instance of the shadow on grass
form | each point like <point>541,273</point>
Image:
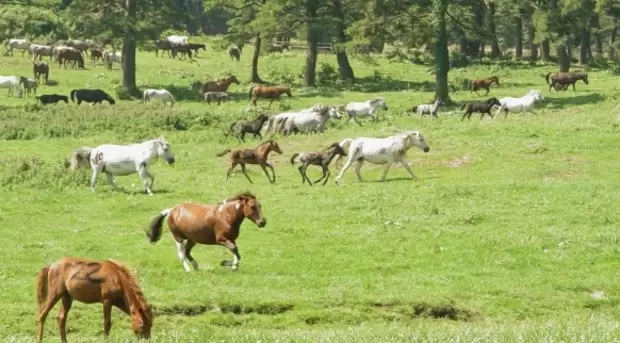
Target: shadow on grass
<point>51,83</point>
<point>561,103</point>
<point>373,84</point>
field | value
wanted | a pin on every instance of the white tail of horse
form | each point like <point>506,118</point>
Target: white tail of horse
<point>80,157</point>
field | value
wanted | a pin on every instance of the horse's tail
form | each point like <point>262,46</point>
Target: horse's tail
<point>42,280</point>
<point>293,158</point>
<point>220,154</point>
<point>547,78</point>
<point>79,157</point>
<point>154,231</point>
<point>72,95</point>
<point>251,89</point>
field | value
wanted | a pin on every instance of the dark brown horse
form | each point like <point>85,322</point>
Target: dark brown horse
<point>257,155</point>
<point>96,54</point>
<point>89,281</point>
<point>234,52</point>
<point>321,158</point>
<point>220,85</point>
<point>568,78</point>
<point>268,92</point>
<point>483,108</point>
<point>41,69</point>
<point>485,84</point>
<point>163,45</point>
<point>71,55</point>
<point>194,223</point>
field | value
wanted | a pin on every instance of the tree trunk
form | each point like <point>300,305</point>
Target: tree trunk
<point>442,58</point>
<point>584,46</point>
<point>545,50</point>
<point>563,57</point>
<point>254,77</point>
<point>478,44</point>
<point>611,53</point>
<point>531,34</point>
<point>519,33</point>
<point>346,72</point>
<point>129,52</point>
<point>495,53</point>
<point>312,40</point>
<point>598,39</point>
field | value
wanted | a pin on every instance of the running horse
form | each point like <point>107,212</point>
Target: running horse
<point>485,84</point>
<point>220,85</point>
<point>257,155</point>
<point>195,223</point>
<point>565,79</point>
<point>268,92</point>
<point>88,281</point>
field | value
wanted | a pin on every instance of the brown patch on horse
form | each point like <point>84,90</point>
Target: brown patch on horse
<point>220,85</point>
<point>485,84</point>
<point>219,224</point>
<point>90,281</point>
<point>257,155</point>
<point>565,79</point>
<point>268,92</point>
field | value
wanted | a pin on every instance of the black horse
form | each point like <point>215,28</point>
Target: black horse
<point>483,107</point>
<point>52,98</point>
<point>91,95</point>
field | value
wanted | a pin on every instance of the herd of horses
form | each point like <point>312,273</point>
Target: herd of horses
<point>110,282</point>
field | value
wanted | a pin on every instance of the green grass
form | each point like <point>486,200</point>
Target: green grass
<point>510,226</point>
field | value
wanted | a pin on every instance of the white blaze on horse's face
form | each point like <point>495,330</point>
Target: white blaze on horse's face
<point>163,150</point>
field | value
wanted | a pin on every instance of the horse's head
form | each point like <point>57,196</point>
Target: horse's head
<point>333,113</point>
<point>536,95</point>
<point>232,79</point>
<point>110,99</point>
<point>494,102</point>
<point>142,321</point>
<point>252,209</point>
<point>415,138</point>
<point>380,103</point>
<point>585,78</point>
<point>273,146</point>
<point>163,150</point>
<point>337,149</point>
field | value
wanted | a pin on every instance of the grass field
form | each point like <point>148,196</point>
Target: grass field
<point>509,229</point>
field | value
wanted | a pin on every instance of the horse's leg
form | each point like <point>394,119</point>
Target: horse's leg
<point>188,253</point>
<point>357,121</point>
<point>178,242</point>
<point>386,169</point>
<point>63,311</point>
<point>358,169</point>
<point>265,164</point>
<point>143,176</point>
<point>245,172</point>
<point>234,264</point>
<point>150,176</point>
<point>344,168</point>
<point>230,169</point>
<point>573,87</point>
<point>52,299</point>
<point>304,169</point>
<point>93,178</point>
<point>107,317</point>
<point>487,89</point>
<point>464,115</point>
<point>324,176</point>
<point>301,171</point>
<point>110,179</point>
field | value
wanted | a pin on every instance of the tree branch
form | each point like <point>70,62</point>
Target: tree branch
<point>465,27</point>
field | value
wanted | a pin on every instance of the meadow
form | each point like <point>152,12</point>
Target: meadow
<point>509,233</point>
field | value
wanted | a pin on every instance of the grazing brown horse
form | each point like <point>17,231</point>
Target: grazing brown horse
<point>194,223</point>
<point>485,84</point>
<point>220,85</point>
<point>568,78</point>
<point>41,69</point>
<point>322,159</point>
<point>89,281</point>
<point>268,92</point>
<point>257,155</point>
<point>71,55</point>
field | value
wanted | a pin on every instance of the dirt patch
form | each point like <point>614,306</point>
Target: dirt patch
<point>441,312</point>
<point>189,311</point>
<point>456,162</point>
<point>575,159</point>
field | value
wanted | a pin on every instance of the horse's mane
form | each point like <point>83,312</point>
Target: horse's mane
<point>239,196</point>
<point>130,281</point>
<point>269,141</point>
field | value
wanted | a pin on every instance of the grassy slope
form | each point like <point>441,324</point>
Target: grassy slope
<point>511,221</point>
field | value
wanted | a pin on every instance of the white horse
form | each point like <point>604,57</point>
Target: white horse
<point>37,50</point>
<point>19,44</point>
<point>115,160</point>
<point>523,104</point>
<point>177,39</point>
<point>276,122</point>
<point>430,109</point>
<point>310,121</point>
<point>367,108</point>
<point>385,151</point>
<point>161,94</point>
<point>12,83</point>
<point>110,57</point>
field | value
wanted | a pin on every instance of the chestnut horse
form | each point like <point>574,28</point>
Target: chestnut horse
<point>89,281</point>
<point>475,85</point>
<point>268,92</point>
<point>194,223</point>
<point>565,79</point>
<point>220,85</point>
<point>257,155</point>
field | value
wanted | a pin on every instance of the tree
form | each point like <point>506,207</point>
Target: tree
<point>346,72</point>
<point>442,58</point>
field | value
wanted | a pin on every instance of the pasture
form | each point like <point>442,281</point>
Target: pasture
<point>509,234</point>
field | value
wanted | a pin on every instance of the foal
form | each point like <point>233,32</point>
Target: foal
<point>480,107</point>
<point>257,155</point>
<point>428,109</point>
<point>241,127</point>
<point>322,159</point>
<point>219,96</point>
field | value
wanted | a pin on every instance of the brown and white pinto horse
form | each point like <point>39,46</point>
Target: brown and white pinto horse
<point>485,84</point>
<point>89,281</point>
<point>194,223</point>
<point>268,92</point>
<point>257,155</point>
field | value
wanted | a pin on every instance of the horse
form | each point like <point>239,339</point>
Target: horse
<point>386,151</point>
<point>161,94</point>
<point>30,85</point>
<point>344,144</point>
<point>485,84</point>
<point>195,223</point>
<point>196,47</point>
<point>321,158</point>
<point>163,45</point>
<point>183,49</point>
<point>241,127</point>
<point>277,48</point>
<point>80,45</point>
<point>364,109</point>
<point>15,43</point>
<point>268,92</point>
<point>67,55</point>
<point>219,96</point>
<point>58,49</point>
<point>109,57</point>
<point>429,109</point>
<point>90,281</point>
<point>257,155</point>
<point>12,83</point>
<point>568,78</point>
<point>220,85</point>
<point>174,39</point>
<point>310,121</point>
<point>37,50</point>
<point>276,122</point>
<point>95,96</point>
<point>483,107</point>
<point>96,54</point>
<point>121,160</point>
<point>234,52</point>
<point>40,69</point>
<point>523,104</point>
<point>52,98</point>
